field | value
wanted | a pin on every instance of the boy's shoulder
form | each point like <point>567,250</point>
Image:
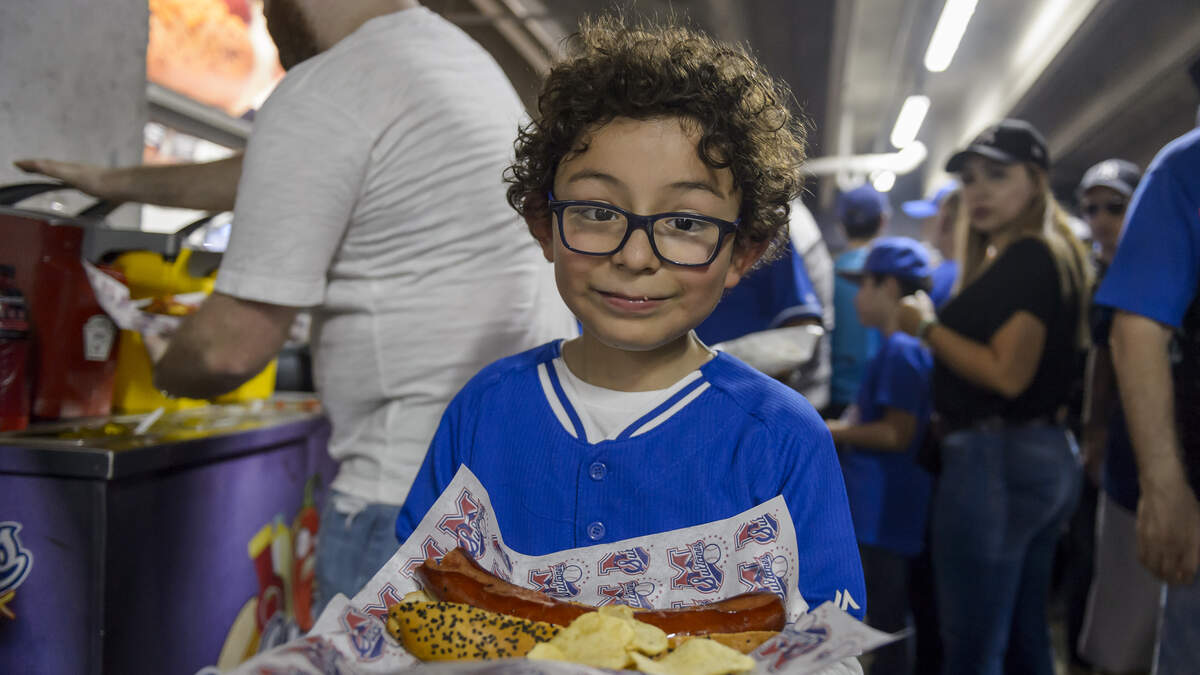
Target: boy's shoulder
<point>759,396</point>
<point>900,346</point>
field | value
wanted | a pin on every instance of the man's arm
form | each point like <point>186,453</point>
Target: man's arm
<point>893,432</point>
<point>206,186</point>
<point>224,344</point>
<point>1168,516</point>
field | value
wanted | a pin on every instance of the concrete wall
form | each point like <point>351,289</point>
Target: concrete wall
<point>72,85</point>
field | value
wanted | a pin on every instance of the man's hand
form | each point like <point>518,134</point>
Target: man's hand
<point>1168,529</point>
<point>94,180</point>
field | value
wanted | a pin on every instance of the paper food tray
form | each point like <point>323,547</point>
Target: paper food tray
<point>751,551</point>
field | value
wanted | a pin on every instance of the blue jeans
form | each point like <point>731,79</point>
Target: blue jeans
<point>1000,506</point>
<point>1178,650</point>
<point>354,541</point>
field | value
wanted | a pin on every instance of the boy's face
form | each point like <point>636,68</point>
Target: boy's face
<point>632,300</point>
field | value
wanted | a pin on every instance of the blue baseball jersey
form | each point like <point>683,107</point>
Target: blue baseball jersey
<point>766,298</point>
<point>853,343</point>
<point>1157,266</point>
<point>889,492</point>
<point>729,440</point>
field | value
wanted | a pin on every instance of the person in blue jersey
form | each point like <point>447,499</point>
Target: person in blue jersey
<point>657,171</point>
<point>1006,352</point>
<point>863,213</point>
<point>938,214</point>
<point>889,491</point>
<point>1153,285</point>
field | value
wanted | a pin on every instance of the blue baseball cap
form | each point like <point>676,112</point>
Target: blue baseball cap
<point>901,257</point>
<point>924,208</point>
<point>861,205</point>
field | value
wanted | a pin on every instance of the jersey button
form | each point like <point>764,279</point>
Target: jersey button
<point>595,531</point>
<point>597,470</point>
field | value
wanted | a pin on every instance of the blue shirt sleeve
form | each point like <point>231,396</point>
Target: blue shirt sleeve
<point>1155,271</point>
<point>829,566</point>
<point>441,462</point>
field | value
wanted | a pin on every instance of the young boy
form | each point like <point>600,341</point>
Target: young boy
<point>889,492</point>
<point>636,427</point>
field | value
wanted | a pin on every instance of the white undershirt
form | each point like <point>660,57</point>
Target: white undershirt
<point>605,413</point>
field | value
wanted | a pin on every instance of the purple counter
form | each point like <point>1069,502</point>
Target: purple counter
<point>138,559</point>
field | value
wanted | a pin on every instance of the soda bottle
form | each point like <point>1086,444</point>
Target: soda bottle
<point>14,353</point>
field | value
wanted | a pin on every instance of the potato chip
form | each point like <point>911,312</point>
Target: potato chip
<point>700,656</point>
<point>647,639</point>
<point>593,639</point>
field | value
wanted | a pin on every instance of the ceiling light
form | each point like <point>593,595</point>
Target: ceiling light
<point>948,33</point>
<point>883,181</point>
<point>908,122</point>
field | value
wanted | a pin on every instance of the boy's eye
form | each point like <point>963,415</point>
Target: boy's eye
<point>598,214</point>
<point>680,224</point>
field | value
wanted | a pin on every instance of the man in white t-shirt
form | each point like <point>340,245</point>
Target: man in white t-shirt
<point>371,192</point>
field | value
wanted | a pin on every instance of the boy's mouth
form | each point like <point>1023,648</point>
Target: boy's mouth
<point>625,301</point>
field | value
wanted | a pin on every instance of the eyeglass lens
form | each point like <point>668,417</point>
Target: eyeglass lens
<point>594,229</point>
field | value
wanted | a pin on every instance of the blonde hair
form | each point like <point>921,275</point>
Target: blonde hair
<point>1045,219</point>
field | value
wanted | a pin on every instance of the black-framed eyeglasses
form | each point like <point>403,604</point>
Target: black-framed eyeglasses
<point>1091,209</point>
<point>680,238</point>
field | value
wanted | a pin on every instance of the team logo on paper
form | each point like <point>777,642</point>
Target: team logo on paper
<point>697,567</point>
<point>765,573</point>
<point>560,580</point>
<point>365,626</point>
<point>429,551</point>
<point>793,644</point>
<point>466,525</point>
<point>628,560</point>
<point>365,633</point>
<point>762,530</point>
<point>319,652</point>
<point>16,562</point>
<point>636,594</point>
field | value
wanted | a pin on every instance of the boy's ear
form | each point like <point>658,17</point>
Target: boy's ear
<point>539,221</point>
<point>743,260</point>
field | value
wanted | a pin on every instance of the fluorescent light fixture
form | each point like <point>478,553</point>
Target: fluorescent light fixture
<point>948,33</point>
<point>908,122</point>
<point>883,181</point>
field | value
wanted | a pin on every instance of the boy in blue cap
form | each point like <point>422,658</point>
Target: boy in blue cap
<point>889,491</point>
<point>636,427</point>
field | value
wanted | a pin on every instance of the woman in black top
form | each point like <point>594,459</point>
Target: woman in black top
<point>1007,348</point>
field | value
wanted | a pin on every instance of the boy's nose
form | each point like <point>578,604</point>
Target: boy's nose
<point>637,254</point>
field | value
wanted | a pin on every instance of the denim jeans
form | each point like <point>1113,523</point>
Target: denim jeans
<point>355,539</point>
<point>1178,650</point>
<point>1000,506</point>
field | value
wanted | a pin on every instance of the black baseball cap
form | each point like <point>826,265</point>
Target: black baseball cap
<point>1116,174</point>
<point>1007,141</point>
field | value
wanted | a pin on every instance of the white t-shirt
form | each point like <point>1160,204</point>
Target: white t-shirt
<point>372,191</point>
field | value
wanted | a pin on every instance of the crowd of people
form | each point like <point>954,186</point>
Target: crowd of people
<point>701,324</point>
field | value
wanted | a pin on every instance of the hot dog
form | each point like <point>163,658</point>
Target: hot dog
<point>458,578</point>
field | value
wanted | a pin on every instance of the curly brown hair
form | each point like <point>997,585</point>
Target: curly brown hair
<point>647,72</point>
